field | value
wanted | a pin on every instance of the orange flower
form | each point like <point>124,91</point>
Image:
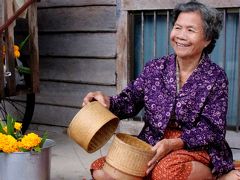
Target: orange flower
<point>8,144</point>
<point>12,139</point>
<point>30,141</point>
<point>15,49</point>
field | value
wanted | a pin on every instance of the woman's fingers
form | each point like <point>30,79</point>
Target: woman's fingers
<point>155,159</point>
<point>102,99</point>
<point>88,98</point>
<point>233,175</point>
<point>237,172</point>
<point>96,96</point>
<point>162,148</point>
<point>150,168</point>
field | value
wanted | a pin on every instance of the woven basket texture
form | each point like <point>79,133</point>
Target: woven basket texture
<point>93,126</point>
<point>129,154</point>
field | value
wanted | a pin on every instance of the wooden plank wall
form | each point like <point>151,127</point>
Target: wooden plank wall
<point>77,44</point>
<point>1,51</point>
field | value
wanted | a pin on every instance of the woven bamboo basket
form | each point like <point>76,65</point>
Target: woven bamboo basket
<point>92,126</point>
<point>129,155</point>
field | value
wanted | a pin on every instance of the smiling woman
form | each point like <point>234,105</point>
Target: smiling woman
<point>185,98</point>
<point>151,29</point>
<point>188,41</point>
<point>188,37</point>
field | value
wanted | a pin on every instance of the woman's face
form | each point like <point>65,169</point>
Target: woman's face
<point>187,36</point>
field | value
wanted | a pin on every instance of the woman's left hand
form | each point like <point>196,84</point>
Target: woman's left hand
<point>162,148</point>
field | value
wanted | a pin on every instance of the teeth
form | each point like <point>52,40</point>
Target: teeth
<point>181,45</point>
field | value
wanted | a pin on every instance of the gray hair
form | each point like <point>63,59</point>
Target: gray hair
<point>212,20</point>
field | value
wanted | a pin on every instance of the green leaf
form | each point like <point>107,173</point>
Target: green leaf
<point>21,45</point>
<point>23,149</point>
<point>18,135</point>
<point>37,149</point>
<point>44,137</point>
<point>24,70</point>
<point>10,125</point>
<point>1,128</point>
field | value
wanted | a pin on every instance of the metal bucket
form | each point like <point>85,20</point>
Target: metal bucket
<point>27,165</point>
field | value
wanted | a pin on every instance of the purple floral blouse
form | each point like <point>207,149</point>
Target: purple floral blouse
<point>200,107</point>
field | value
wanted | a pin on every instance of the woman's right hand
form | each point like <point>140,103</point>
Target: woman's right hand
<point>97,96</point>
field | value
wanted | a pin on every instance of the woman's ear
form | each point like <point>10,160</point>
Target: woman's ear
<point>207,43</point>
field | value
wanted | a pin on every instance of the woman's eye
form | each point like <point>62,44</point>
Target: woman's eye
<point>191,30</point>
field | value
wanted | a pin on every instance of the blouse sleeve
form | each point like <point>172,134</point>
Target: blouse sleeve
<point>211,128</point>
<point>131,100</point>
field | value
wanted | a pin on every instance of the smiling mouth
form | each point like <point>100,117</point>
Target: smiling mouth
<point>181,45</point>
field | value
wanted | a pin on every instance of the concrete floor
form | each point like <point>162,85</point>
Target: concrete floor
<point>70,162</point>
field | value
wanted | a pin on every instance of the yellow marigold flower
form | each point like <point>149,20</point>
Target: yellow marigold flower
<point>4,51</point>
<point>5,128</point>
<point>16,54</point>
<point>30,141</point>
<point>16,51</point>
<point>2,138</point>
<point>16,48</point>
<point>8,144</point>
<point>18,126</point>
<point>18,142</point>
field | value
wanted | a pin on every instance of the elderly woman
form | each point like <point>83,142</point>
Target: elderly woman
<point>185,97</point>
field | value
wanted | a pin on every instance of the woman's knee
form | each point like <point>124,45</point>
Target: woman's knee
<point>191,170</point>
<point>97,174</point>
<point>101,175</point>
<point>171,170</point>
<point>200,171</point>
<point>232,175</point>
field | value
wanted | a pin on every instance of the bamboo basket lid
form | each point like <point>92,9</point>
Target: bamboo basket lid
<point>92,126</point>
<point>129,154</point>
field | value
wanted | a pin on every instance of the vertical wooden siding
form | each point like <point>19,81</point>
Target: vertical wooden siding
<point>77,43</point>
<point>1,50</point>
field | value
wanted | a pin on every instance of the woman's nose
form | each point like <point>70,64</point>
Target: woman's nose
<point>182,34</point>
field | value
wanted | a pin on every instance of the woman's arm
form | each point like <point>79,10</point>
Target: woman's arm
<point>131,100</point>
<point>211,128</point>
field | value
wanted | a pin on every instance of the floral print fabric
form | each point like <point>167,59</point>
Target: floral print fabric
<point>200,107</point>
<point>177,164</point>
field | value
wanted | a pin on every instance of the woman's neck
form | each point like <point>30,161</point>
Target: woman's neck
<point>188,65</point>
<point>185,68</point>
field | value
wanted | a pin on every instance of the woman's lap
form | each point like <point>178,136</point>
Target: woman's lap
<point>177,164</point>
